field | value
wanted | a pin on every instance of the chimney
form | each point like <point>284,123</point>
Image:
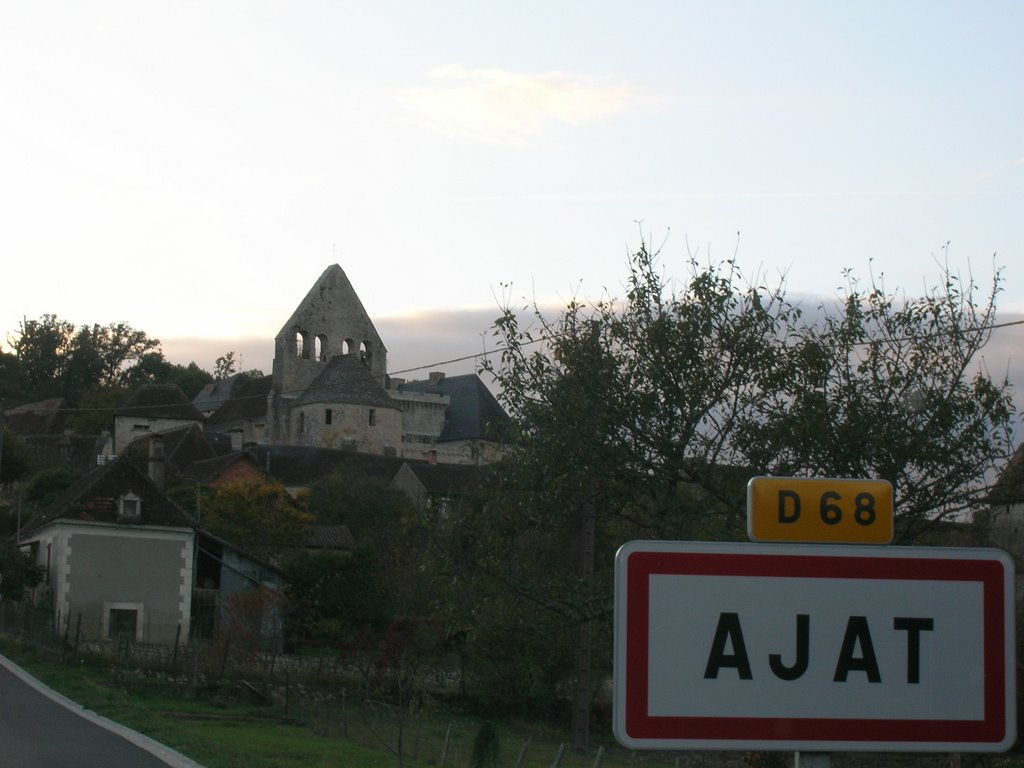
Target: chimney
<point>156,461</point>
<point>436,377</point>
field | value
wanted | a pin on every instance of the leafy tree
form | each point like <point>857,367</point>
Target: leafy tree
<point>224,366</point>
<point>643,417</point>
<point>94,413</point>
<point>47,486</point>
<point>260,517</point>
<point>14,461</point>
<point>153,367</point>
<point>56,359</point>
<point>18,572</point>
<point>891,387</point>
<point>14,387</point>
<point>334,596</point>
<point>384,523</point>
<point>43,347</point>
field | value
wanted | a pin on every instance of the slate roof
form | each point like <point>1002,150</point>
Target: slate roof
<point>94,496</point>
<point>450,479</point>
<point>160,401</point>
<point>346,380</point>
<point>248,401</point>
<point>474,413</point>
<point>213,395</point>
<point>34,419</point>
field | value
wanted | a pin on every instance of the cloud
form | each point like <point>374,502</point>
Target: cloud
<point>496,106</point>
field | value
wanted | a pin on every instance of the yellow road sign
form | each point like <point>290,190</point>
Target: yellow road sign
<point>819,510</point>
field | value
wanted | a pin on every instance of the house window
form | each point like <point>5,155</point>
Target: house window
<point>302,422</point>
<point>373,417</point>
<point>129,506</point>
<point>328,416</point>
<point>122,621</point>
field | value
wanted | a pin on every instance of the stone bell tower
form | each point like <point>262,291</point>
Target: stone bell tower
<point>330,322</point>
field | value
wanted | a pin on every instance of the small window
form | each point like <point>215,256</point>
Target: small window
<point>373,417</point>
<point>302,422</point>
<point>328,416</point>
<point>129,506</point>
<point>123,623</point>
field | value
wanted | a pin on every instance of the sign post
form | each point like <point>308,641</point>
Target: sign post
<point>822,510</point>
<point>813,648</point>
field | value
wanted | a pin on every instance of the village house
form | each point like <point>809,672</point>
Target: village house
<point>122,560</point>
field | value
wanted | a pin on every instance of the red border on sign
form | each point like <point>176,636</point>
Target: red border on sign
<point>640,725</point>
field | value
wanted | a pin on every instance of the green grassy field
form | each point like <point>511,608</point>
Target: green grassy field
<point>326,735</point>
<point>228,735</point>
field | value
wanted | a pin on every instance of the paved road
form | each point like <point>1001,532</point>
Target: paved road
<point>39,728</point>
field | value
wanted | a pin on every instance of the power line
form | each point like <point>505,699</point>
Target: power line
<point>528,342</point>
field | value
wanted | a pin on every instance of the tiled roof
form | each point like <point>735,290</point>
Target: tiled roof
<point>329,537</point>
<point>94,497</point>
<point>300,465</point>
<point>207,470</point>
<point>248,401</point>
<point>346,380</point>
<point>474,413</point>
<point>160,401</point>
<point>33,419</point>
<point>182,447</point>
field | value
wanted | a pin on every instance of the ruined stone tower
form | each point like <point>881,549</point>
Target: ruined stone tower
<point>330,323</point>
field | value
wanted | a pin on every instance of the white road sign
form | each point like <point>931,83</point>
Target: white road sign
<point>813,647</point>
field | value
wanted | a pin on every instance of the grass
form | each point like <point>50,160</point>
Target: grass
<point>328,735</point>
<point>325,734</point>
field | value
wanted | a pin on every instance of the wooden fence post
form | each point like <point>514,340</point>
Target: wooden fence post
<point>447,743</point>
<point>522,752</point>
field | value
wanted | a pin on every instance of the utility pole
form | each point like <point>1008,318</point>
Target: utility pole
<point>584,642</point>
<point>1,443</point>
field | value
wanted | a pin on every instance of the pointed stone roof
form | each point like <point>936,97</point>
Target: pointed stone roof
<point>332,286</point>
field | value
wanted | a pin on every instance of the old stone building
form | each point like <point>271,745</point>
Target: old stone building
<point>329,375</point>
<point>330,389</point>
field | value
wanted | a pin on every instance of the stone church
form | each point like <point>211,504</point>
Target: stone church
<point>330,389</point>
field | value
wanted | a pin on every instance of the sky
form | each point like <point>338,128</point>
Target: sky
<point>192,167</point>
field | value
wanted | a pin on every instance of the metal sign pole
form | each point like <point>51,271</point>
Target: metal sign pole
<point>812,760</point>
